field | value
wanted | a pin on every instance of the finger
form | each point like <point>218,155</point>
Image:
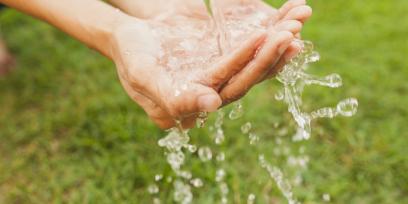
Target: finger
<point>269,54</point>
<point>298,36</point>
<point>293,26</point>
<point>291,52</point>
<point>300,13</point>
<point>289,5</point>
<point>231,64</point>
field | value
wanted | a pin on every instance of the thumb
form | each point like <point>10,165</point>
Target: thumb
<point>208,100</point>
<point>193,98</point>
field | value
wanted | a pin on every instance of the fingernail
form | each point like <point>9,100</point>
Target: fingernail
<point>209,102</point>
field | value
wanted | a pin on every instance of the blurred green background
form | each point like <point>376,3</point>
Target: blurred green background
<point>70,134</point>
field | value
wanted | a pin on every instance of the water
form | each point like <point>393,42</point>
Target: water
<point>237,111</point>
<point>326,197</point>
<point>219,136</point>
<point>245,128</point>
<point>176,140</point>
<point>197,182</point>
<point>277,175</point>
<point>294,78</point>
<point>153,189</point>
<point>205,154</point>
<point>220,157</point>
<point>251,199</point>
<point>216,39</point>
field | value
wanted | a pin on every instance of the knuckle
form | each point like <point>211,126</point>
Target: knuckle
<point>215,80</point>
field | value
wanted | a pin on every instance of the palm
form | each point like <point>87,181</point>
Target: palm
<point>164,88</point>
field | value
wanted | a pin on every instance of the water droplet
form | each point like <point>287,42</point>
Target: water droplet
<point>324,113</point>
<point>224,188</point>
<point>334,80</point>
<point>326,197</point>
<point>251,198</point>
<point>196,182</point>
<point>153,189</point>
<point>205,154</point>
<point>182,192</point>
<point>174,140</point>
<point>220,119</point>
<point>192,148</point>
<point>307,46</point>
<point>158,177</point>
<point>246,128</point>
<point>297,181</point>
<point>313,57</point>
<point>219,175</point>
<point>237,111</point>
<point>185,174</point>
<point>201,119</point>
<point>253,138</point>
<point>175,159</point>
<point>156,201</point>
<point>279,95</point>
<point>220,157</point>
<point>347,107</point>
<point>219,136</point>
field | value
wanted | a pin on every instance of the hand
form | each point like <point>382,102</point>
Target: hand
<point>164,95</point>
<point>287,20</point>
<point>167,91</point>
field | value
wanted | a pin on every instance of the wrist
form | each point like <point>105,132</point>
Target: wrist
<point>107,34</point>
<point>146,9</point>
<point>121,31</point>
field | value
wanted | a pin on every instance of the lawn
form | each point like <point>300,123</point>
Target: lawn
<point>70,134</point>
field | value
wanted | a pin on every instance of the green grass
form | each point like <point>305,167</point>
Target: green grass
<point>69,133</point>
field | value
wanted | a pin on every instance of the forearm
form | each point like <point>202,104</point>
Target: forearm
<point>153,8</point>
<point>143,8</point>
<point>90,21</point>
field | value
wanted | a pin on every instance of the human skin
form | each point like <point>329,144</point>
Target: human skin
<point>113,33</point>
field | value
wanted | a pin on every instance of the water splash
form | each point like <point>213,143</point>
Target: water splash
<point>237,111</point>
<point>176,140</point>
<point>205,154</point>
<point>219,136</point>
<point>182,192</point>
<point>277,175</point>
<point>245,128</point>
<point>294,78</point>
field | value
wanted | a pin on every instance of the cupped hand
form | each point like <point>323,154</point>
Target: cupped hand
<point>164,93</point>
<point>172,66</point>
